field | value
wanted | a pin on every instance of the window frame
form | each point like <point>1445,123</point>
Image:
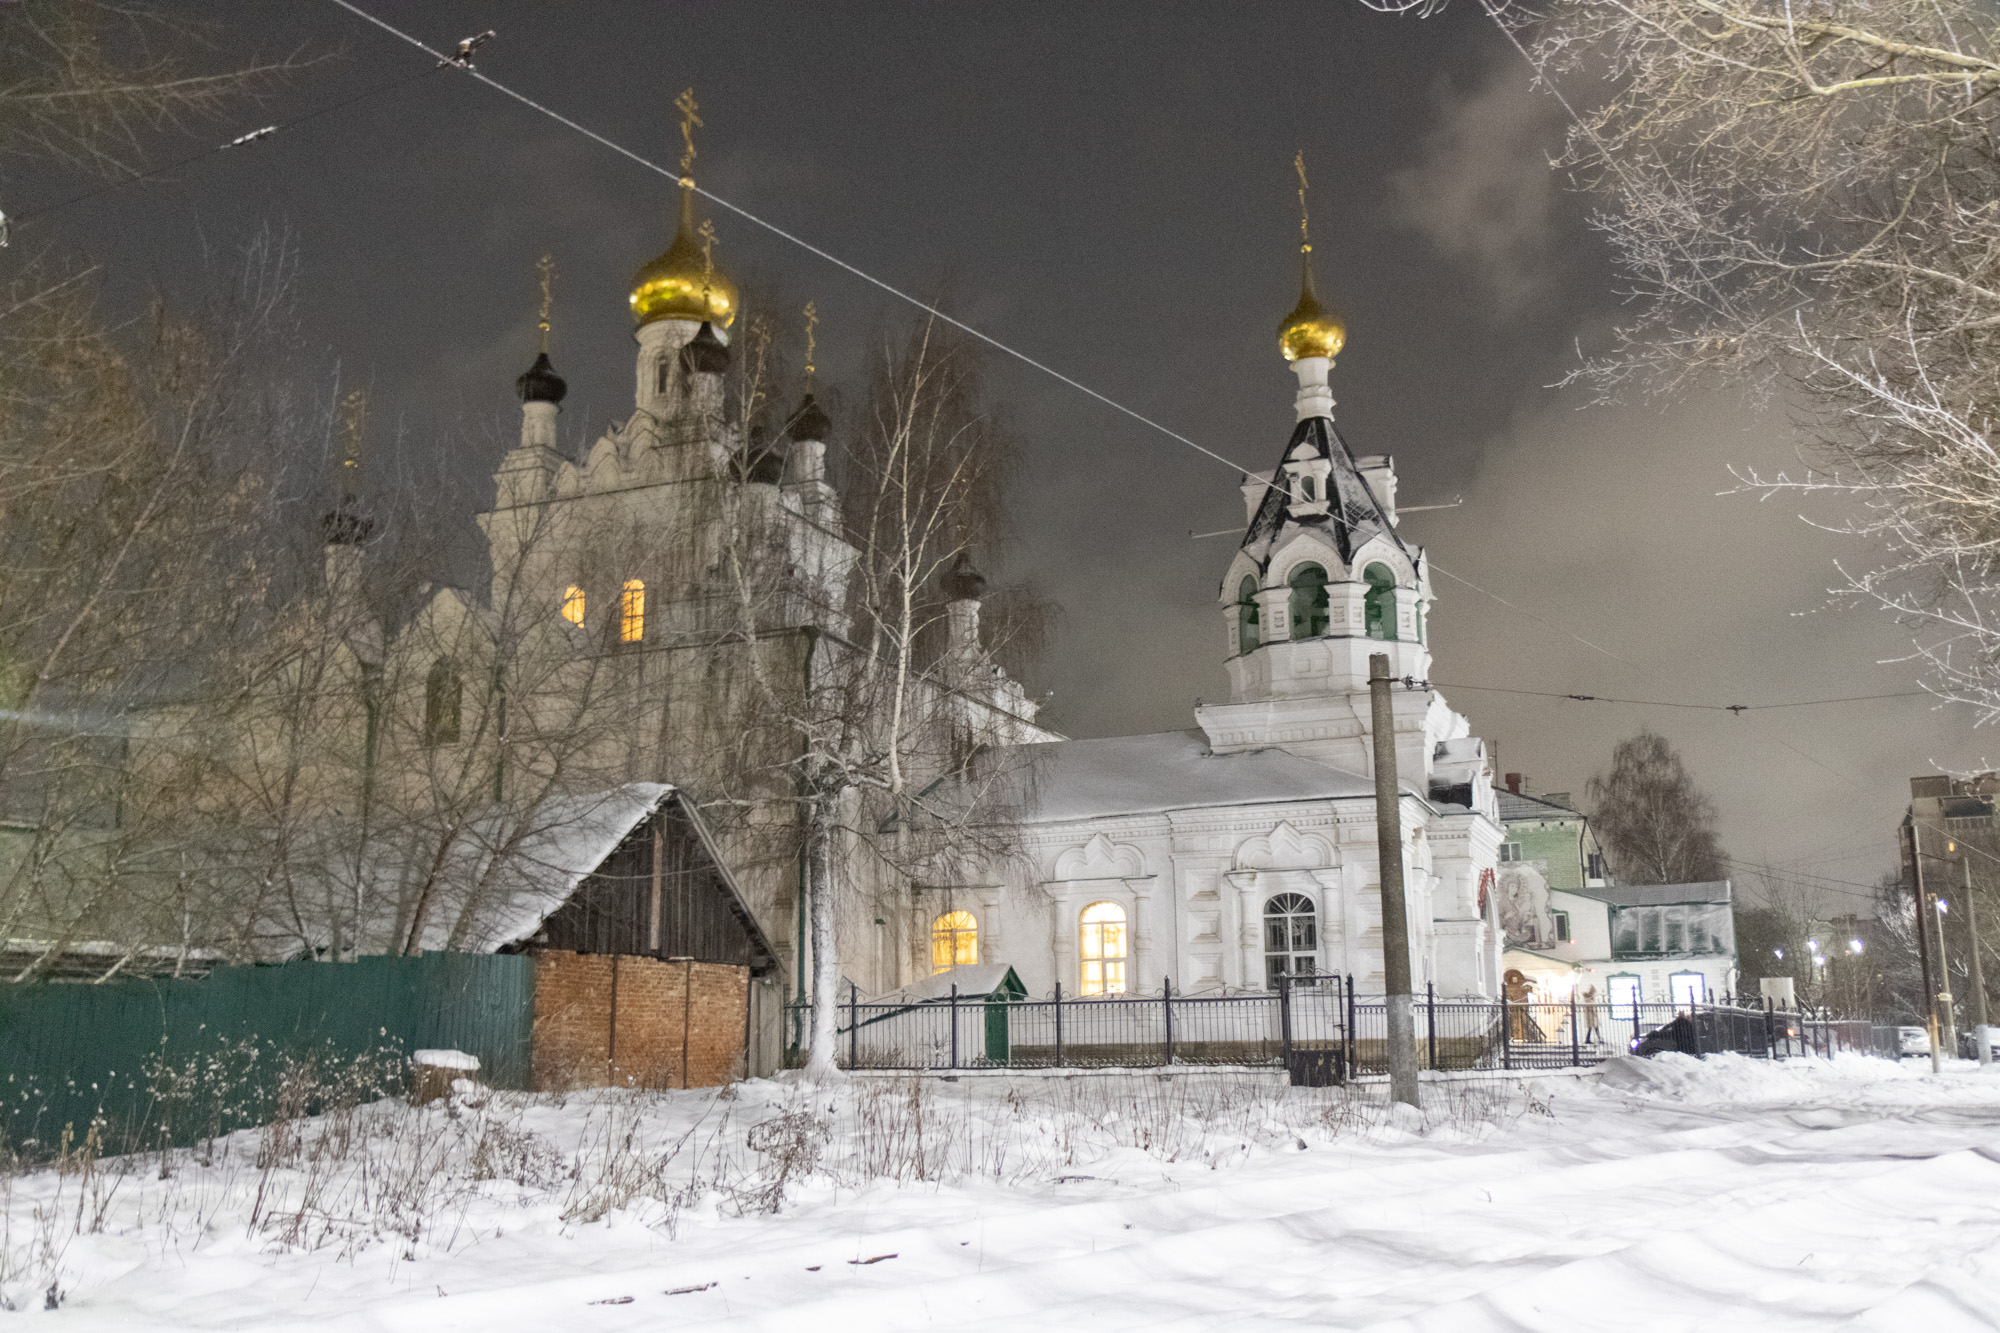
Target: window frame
<point>444,700</point>
<point>1296,909</point>
<point>632,611</point>
<point>1560,920</point>
<point>958,930</point>
<point>1611,986</point>
<point>1106,943</point>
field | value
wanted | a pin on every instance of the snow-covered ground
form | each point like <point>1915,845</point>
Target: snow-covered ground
<point>1661,1195</point>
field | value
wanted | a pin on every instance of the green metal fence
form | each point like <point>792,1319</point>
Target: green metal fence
<point>155,1061</point>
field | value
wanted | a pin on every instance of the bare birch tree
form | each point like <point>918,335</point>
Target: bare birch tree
<point>1654,822</point>
<point>874,719</point>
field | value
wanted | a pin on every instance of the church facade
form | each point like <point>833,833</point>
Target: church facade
<point>1243,849</point>
<point>1216,858</point>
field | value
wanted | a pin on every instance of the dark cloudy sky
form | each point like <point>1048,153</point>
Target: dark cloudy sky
<point>1107,187</point>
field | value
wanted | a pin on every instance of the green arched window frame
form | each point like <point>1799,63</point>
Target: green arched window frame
<point>1380,602</point>
<point>1309,602</point>
<point>1248,635</point>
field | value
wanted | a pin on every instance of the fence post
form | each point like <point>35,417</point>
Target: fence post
<point>1575,1047</point>
<point>1058,1025</point>
<point>1353,1043</point>
<point>1506,1034</point>
<point>1770,1037</point>
<point>1167,999</point>
<point>1635,1016</point>
<point>853,1025</point>
<point>954,1025</point>
<point>1285,1020</point>
<point>1431,1018</point>
<point>1694,1021</point>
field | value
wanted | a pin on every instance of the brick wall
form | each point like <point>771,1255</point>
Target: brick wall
<point>677,1025</point>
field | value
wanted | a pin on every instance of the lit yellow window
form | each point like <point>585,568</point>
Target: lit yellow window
<point>954,941</point>
<point>632,611</point>
<point>1102,931</point>
<point>572,604</point>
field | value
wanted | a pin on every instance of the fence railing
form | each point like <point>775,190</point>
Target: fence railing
<point>153,1061</point>
<point>1318,1028</point>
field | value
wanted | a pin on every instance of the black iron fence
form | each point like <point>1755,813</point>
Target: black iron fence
<point>1317,1027</point>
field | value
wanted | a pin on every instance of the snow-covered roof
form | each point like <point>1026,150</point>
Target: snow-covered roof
<point>1168,770</point>
<point>571,838</point>
<point>1354,514</point>
<point>486,885</point>
<point>972,979</point>
<point>1658,895</point>
<point>1520,805</point>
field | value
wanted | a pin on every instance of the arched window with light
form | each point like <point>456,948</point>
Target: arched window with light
<point>1309,602</point>
<point>573,604</point>
<point>1379,603</point>
<point>1248,633</point>
<point>443,691</point>
<point>1101,940</point>
<point>954,941</point>
<point>1291,939</point>
<point>632,611</point>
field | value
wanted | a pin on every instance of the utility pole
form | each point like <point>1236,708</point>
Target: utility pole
<point>1914,841</point>
<point>1979,1037</point>
<point>1395,909</point>
<point>1946,1006</point>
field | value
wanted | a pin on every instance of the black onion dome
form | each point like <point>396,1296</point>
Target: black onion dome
<point>345,524</point>
<point>809,422</point>
<point>962,582</point>
<point>539,383</point>
<point>705,353</point>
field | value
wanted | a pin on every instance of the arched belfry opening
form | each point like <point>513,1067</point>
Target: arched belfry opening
<point>1309,602</point>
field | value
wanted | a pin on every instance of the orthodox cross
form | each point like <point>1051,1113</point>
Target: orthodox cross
<point>690,122</point>
<point>812,318</point>
<point>546,267</point>
<point>1305,240</point>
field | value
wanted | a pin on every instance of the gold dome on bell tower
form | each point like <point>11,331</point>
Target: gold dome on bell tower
<point>1312,329</point>
<point>682,282</point>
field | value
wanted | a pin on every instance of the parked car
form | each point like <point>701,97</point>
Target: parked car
<point>1968,1042</point>
<point>1707,1031</point>
<point>1912,1041</point>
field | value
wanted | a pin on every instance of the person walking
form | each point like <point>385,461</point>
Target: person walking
<point>1590,1015</point>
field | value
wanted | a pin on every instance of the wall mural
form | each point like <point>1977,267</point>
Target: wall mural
<point>1525,916</point>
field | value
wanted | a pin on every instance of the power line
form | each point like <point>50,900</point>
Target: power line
<point>1532,616</point>
<point>1668,703</point>
<point>240,141</point>
<point>782,234</point>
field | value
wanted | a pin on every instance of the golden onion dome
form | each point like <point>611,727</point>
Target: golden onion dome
<point>681,283</point>
<point>1311,329</point>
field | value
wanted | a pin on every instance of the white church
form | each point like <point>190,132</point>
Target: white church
<point>1216,858</point>
<point>1244,848</point>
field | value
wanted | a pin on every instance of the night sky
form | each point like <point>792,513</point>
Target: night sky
<point>1109,188</point>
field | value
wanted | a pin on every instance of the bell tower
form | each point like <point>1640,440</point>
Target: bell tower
<point>1322,580</point>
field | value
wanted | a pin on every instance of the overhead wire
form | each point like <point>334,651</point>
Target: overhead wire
<point>1668,703</point>
<point>783,234</point>
<point>446,60</point>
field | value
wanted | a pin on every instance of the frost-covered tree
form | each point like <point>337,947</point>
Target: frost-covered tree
<point>1656,825</point>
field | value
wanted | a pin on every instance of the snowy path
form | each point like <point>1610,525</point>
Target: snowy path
<point>1762,1200</point>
